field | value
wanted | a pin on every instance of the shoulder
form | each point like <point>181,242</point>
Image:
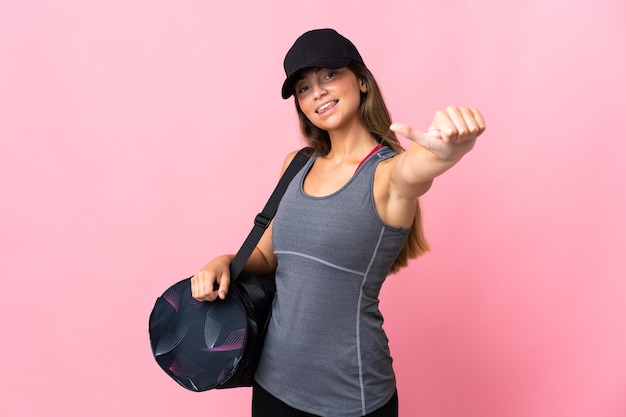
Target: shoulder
<point>288,160</point>
<point>307,152</point>
<point>386,165</point>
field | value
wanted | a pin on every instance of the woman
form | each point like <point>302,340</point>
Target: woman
<point>348,219</point>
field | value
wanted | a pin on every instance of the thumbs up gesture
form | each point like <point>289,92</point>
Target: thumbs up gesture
<point>452,133</point>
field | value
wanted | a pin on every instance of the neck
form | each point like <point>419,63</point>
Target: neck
<point>350,145</point>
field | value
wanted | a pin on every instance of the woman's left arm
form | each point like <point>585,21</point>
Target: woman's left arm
<point>452,134</point>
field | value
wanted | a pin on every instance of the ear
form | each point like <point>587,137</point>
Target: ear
<point>362,85</point>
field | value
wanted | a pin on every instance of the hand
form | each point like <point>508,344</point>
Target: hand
<point>451,135</point>
<point>212,281</point>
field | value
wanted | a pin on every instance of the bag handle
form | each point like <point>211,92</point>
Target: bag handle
<point>263,219</point>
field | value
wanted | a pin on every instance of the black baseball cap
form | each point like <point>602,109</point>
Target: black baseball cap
<point>323,48</point>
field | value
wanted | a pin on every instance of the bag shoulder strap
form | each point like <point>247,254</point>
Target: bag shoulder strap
<point>263,219</point>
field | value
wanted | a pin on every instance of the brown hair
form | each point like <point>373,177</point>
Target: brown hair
<point>376,117</point>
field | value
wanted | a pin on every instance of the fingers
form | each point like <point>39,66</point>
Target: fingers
<point>458,124</point>
<point>208,285</point>
<point>480,120</point>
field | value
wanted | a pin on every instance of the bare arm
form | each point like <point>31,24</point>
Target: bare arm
<point>213,279</point>
<point>452,133</point>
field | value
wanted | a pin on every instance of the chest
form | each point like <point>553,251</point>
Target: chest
<point>324,178</point>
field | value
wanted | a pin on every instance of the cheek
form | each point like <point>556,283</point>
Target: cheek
<point>303,111</point>
<point>306,107</point>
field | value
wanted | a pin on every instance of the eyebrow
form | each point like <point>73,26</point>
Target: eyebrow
<point>300,75</point>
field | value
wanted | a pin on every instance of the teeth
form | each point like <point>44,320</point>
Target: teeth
<point>325,106</point>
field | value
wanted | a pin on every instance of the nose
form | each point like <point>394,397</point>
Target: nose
<point>318,90</point>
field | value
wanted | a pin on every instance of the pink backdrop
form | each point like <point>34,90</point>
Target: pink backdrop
<point>119,122</point>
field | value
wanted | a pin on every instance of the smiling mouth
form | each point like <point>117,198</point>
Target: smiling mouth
<point>326,106</point>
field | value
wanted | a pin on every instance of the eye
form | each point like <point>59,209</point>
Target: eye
<point>330,74</point>
<point>302,88</point>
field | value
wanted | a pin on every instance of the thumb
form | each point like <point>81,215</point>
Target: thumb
<point>417,136</point>
<point>414,134</point>
<point>406,131</point>
<point>223,286</point>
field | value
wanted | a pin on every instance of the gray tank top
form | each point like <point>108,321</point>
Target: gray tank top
<point>326,352</point>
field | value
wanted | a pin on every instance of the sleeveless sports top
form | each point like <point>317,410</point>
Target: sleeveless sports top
<point>326,352</point>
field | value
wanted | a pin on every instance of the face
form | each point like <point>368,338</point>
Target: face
<point>330,98</point>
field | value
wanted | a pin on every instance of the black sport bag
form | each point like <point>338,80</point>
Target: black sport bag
<point>206,345</point>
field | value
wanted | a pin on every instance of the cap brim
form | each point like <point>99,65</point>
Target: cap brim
<point>287,90</point>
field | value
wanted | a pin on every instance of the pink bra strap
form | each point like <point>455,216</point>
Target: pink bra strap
<point>380,145</point>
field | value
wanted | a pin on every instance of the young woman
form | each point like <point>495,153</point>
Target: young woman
<point>347,220</point>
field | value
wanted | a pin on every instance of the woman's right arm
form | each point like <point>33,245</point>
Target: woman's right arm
<point>212,281</point>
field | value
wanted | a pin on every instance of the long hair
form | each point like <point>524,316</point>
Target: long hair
<point>376,118</point>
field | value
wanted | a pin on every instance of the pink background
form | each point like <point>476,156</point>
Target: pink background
<point>130,131</point>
